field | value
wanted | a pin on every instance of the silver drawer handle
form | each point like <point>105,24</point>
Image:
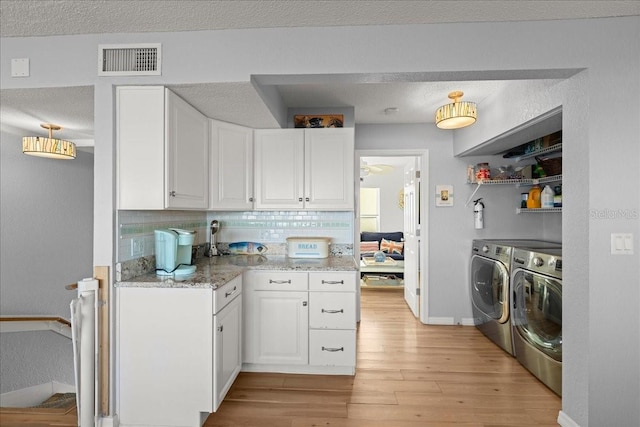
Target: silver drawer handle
<point>279,282</point>
<point>226,294</point>
<point>332,311</point>
<point>333,282</point>
<point>333,350</point>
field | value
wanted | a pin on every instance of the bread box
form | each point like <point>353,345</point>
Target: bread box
<point>308,247</point>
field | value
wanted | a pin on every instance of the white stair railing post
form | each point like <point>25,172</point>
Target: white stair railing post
<point>84,319</point>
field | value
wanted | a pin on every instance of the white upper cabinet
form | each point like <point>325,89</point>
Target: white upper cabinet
<point>304,169</point>
<point>328,172</point>
<point>231,167</point>
<point>279,168</point>
<point>162,150</point>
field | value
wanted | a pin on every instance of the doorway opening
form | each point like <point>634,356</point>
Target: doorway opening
<point>390,215</point>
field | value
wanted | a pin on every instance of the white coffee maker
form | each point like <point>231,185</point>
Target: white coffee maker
<point>173,252</point>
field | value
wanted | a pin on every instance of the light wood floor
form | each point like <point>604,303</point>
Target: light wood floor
<point>408,375</point>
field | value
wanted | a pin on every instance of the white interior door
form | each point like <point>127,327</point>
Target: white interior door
<point>411,237</point>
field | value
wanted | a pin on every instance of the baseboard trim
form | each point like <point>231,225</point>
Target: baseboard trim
<point>33,395</point>
<point>441,321</point>
<point>298,369</point>
<point>108,422</point>
<point>467,321</point>
<point>565,420</point>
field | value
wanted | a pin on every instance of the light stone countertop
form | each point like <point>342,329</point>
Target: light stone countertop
<point>216,271</point>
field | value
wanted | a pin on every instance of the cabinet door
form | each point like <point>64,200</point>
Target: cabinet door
<point>140,147</point>
<point>329,179</point>
<point>279,167</point>
<point>187,160</point>
<point>164,355</point>
<point>277,327</point>
<point>231,167</point>
<point>227,348</point>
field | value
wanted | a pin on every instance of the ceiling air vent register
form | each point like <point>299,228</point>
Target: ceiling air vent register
<point>129,60</point>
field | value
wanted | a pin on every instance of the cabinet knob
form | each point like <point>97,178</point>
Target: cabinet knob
<point>251,199</point>
<point>172,193</point>
<point>220,328</point>
<point>299,199</point>
<point>304,303</point>
<point>307,199</point>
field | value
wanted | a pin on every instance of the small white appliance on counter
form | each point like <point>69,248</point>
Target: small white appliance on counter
<point>173,252</point>
<point>308,247</point>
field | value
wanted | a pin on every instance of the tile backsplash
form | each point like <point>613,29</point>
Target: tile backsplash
<point>135,230</point>
<point>276,226</point>
<point>136,237</point>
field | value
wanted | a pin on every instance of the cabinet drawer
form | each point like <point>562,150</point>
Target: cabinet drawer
<point>277,280</point>
<point>332,348</point>
<point>226,293</point>
<point>332,310</point>
<point>334,281</point>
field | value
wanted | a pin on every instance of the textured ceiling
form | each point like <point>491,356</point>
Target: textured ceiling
<point>24,18</point>
<point>239,103</point>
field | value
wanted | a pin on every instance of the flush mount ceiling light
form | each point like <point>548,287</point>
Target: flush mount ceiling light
<point>49,147</point>
<point>457,114</point>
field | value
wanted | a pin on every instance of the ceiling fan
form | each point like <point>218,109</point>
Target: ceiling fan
<point>379,169</point>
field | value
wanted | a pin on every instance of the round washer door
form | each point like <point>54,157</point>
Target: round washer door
<point>537,311</point>
<point>490,287</point>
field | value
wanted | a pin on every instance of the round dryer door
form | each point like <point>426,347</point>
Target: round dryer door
<point>490,288</point>
<point>537,311</point>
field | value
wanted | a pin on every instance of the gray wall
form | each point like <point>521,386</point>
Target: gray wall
<point>602,292</point>
<point>391,215</point>
<point>46,222</point>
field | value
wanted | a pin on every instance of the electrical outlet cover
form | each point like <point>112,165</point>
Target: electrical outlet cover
<point>137,247</point>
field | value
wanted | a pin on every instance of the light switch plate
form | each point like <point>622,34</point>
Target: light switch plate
<point>621,244</point>
<point>20,67</point>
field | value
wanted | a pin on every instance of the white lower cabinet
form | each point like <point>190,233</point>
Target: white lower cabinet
<point>276,318</point>
<point>290,327</point>
<point>332,318</point>
<point>332,347</point>
<point>227,345</point>
<point>178,352</point>
<point>332,310</point>
<point>278,332</point>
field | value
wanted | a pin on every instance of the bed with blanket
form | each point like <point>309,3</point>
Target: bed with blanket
<point>391,244</point>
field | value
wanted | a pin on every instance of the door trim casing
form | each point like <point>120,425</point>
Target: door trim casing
<point>423,155</point>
